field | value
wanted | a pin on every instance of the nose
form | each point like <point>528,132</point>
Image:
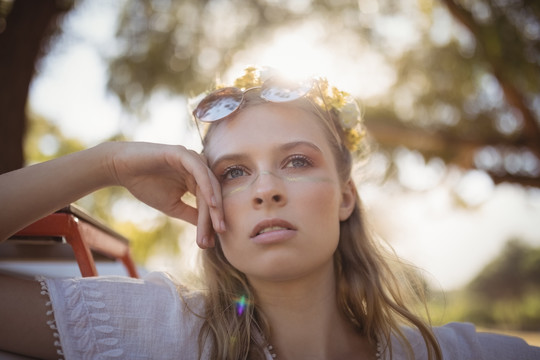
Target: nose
<point>269,190</point>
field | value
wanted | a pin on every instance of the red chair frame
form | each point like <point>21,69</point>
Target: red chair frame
<point>83,234</point>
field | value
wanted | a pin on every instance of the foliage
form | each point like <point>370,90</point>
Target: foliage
<point>511,275</point>
<point>467,87</point>
<point>180,46</point>
<point>505,294</point>
<point>462,306</point>
<point>44,141</point>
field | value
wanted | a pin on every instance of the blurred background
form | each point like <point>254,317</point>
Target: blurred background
<point>450,90</point>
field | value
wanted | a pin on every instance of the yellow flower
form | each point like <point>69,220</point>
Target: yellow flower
<point>353,139</point>
<point>250,79</point>
<point>323,95</point>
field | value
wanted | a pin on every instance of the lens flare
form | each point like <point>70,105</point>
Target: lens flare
<point>241,305</point>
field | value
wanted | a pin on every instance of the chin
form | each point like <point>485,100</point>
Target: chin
<point>286,270</point>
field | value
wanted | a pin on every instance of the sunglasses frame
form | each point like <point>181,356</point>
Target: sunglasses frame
<point>270,91</point>
<point>306,86</point>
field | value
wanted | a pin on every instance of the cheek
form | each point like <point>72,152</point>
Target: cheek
<point>323,213</point>
<point>235,210</point>
<point>319,199</point>
<point>234,207</point>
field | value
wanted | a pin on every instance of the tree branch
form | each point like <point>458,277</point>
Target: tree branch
<point>531,130</point>
<point>515,179</point>
<point>453,149</point>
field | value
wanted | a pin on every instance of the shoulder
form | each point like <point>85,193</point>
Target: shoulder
<point>463,341</point>
<point>152,315</point>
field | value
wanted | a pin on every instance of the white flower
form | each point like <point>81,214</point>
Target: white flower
<point>350,114</point>
<point>266,73</point>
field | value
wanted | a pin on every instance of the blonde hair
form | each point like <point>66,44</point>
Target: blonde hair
<point>369,293</point>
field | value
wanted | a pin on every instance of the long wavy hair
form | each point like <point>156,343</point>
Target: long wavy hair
<point>370,292</point>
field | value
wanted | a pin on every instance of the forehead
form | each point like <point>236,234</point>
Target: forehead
<point>264,125</point>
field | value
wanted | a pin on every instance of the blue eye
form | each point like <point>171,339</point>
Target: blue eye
<point>233,172</point>
<point>298,161</point>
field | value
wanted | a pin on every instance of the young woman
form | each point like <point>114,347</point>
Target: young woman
<point>290,269</point>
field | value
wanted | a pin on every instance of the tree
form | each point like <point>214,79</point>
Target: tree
<point>471,99</point>
<point>466,89</point>
<point>513,273</point>
<point>25,30</point>
<point>505,294</point>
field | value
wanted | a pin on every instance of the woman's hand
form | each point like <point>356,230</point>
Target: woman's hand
<point>160,175</point>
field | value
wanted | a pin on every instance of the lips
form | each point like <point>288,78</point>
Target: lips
<point>270,225</point>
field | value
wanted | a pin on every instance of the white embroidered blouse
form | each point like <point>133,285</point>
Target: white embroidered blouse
<point>123,318</point>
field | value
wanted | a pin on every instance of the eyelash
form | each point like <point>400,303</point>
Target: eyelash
<point>306,162</point>
<point>227,172</point>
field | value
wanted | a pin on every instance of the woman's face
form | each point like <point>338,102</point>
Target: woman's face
<point>282,197</point>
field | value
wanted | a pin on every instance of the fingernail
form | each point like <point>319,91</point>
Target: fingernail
<point>214,202</point>
<point>222,225</point>
<point>204,242</point>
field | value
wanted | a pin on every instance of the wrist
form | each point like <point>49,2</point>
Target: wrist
<point>106,170</point>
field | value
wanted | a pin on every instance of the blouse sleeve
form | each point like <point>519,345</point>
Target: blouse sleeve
<point>461,341</point>
<point>496,346</point>
<point>113,317</point>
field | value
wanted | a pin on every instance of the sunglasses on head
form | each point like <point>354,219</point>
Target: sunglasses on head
<point>223,102</point>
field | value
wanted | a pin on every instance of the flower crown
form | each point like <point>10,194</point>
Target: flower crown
<point>326,97</point>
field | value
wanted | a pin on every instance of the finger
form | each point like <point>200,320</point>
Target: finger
<point>210,188</point>
<point>185,212</point>
<point>216,211</point>
<point>204,226</point>
<point>198,169</point>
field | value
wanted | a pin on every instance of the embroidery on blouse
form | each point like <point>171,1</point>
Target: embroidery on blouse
<point>89,320</point>
<point>378,354</point>
<point>50,314</point>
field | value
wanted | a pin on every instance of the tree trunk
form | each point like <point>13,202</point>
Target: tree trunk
<point>28,27</point>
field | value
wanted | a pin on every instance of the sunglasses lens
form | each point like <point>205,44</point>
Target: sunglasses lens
<point>219,104</point>
<point>283,91</point>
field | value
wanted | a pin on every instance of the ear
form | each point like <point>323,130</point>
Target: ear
<point>348,200</point>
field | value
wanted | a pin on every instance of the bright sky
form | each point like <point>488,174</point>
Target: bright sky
<point>425,226</point>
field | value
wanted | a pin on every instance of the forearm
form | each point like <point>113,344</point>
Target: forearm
<point>32,192</point>
<point>23,310</point>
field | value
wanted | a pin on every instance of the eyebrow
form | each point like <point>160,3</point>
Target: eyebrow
<point>284,147</point>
